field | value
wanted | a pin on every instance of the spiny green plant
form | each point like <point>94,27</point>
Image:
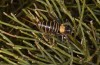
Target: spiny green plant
<point>22,44</point>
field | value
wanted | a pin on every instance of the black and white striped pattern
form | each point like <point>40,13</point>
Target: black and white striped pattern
<point>49,27</point>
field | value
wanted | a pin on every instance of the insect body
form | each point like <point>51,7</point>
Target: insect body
<point>52,27</point>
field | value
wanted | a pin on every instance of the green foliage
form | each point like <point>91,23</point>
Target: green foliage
<point>21,43</point>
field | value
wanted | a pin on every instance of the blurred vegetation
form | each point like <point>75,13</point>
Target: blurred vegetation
<point>21,43</point>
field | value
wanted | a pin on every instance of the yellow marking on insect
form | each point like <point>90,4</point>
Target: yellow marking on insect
<point>62,28</point>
